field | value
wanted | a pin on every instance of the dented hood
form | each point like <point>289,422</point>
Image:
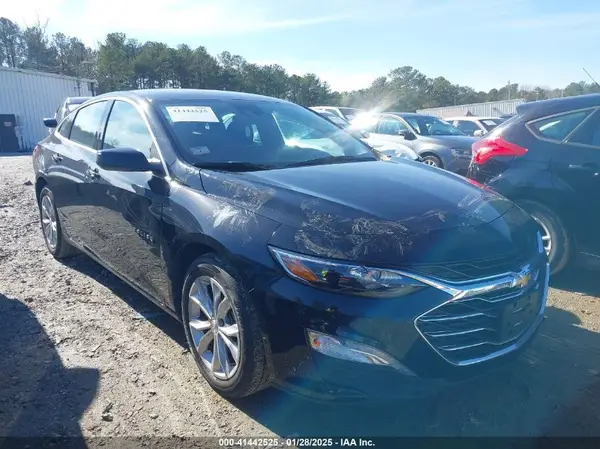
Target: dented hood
<point>395,204</point>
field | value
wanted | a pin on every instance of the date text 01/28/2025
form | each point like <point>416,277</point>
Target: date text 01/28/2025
<point>295,442</point>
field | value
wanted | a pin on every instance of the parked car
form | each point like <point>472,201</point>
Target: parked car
<point>439,143</point>
<point>391,149</point>
<point>68,106</point>
<point>326,271</point>
<point>475,126</point>
<point>345,113</point>
<point>547,159</point>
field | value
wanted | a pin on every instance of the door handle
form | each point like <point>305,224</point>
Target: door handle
<point>92,174</point>
<point>594,169</point>
<point>57,158</point>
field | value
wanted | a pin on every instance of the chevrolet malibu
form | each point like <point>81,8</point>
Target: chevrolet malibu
<point>323,269</point>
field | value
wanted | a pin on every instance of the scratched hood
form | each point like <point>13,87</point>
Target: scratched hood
<point>364,205</point>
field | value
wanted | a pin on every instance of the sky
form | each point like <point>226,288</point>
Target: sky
<point>349,43</point>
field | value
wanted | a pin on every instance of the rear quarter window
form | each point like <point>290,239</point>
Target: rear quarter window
<point>558,127</point>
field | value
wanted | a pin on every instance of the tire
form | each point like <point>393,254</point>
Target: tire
<point>53,236</point>
<point>433,161</point>
<point>252,372</point>
<point>551,225</point>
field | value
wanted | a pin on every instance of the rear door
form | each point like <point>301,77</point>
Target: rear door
<point>126,207</point>
<point>578,166</point>
<point>71,150</point>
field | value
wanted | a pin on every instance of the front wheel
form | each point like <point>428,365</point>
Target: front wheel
<point>555,236</point>
<point>223,329</point>
<point>433,161</point>
<point>53,236</point>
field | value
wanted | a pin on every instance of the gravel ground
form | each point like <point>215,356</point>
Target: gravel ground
<point>83,354</point>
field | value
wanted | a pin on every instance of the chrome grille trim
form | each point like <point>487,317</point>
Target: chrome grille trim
<point>462,293</point>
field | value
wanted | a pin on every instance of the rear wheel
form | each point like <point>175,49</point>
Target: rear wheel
<point>53,236</point>
<point>223,329</point>
<point>555,236</point>
<point>433,161</point>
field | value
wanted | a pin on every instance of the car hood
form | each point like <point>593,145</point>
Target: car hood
<point>459,142</point>
<point>363,209</point>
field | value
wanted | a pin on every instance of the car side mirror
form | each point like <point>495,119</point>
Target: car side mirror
<point>126,159</point>
<point>408,135</point>
<point>50,123</point>
<point>478,133</point>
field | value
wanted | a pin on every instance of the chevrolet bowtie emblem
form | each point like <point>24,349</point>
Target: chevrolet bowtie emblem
<point>522,279</point>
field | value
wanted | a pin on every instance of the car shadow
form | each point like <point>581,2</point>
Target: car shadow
<point>39,396</point>
<point>145,308</point>
<point>545,393</point>
<point>577,280</point>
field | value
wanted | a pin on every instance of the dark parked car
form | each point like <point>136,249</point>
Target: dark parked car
<point>547,159</point>
<point>286,264</point>
<point>437,142</point>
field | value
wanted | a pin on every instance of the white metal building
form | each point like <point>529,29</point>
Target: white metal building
<point>490,109</point>
<point>31,96</point>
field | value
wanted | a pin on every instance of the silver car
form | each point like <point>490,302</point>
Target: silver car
<point>436,141</point>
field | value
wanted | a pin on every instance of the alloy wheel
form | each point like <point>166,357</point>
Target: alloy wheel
<point>430,162</point>
<point>49,223</point>
<point>214,327</point>
<point>546,237</point>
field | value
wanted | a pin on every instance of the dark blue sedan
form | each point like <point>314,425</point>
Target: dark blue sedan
<point>291,254</point>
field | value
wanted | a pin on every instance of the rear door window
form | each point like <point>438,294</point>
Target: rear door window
<point>558,127</point>
<point>589,133</point>
<point>87,124</point>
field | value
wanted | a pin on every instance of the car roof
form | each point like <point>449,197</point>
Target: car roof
<point>188,94</point>
<point>471,118</point>
<point>76,100</point>
<point>406,114</point>
<point>557,105</point>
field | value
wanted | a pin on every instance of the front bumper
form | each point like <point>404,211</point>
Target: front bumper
<point>457,164</point>
<point>390,327</point>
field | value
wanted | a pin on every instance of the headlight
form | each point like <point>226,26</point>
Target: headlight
<point>345,278</point>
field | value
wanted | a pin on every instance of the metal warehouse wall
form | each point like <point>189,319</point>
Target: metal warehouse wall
<point>491,109</point>
<point>31,96</point>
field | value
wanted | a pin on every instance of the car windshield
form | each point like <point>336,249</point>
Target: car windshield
<point>426,125</point>
<point>269,134</point>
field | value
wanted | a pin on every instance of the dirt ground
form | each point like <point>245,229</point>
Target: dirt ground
<point>81,353</point>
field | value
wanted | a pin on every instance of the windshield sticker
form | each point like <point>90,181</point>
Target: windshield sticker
<point>191,114</point>
<point>489,122</point>
<point>199,151</point>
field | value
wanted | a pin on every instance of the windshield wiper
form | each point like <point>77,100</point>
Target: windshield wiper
<point>233,166</point>
<point>330,160</point>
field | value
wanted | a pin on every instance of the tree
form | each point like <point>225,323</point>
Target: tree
<point>39,54</point>
<point>114,67</point>
<point>122,63</point>
<point>11,43</point>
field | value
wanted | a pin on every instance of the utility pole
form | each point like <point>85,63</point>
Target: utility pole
<point>587,73</point>
<point>508,90</point>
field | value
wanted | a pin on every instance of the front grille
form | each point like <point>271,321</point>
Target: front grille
<point>471,270</point>
<point>466,330</point>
